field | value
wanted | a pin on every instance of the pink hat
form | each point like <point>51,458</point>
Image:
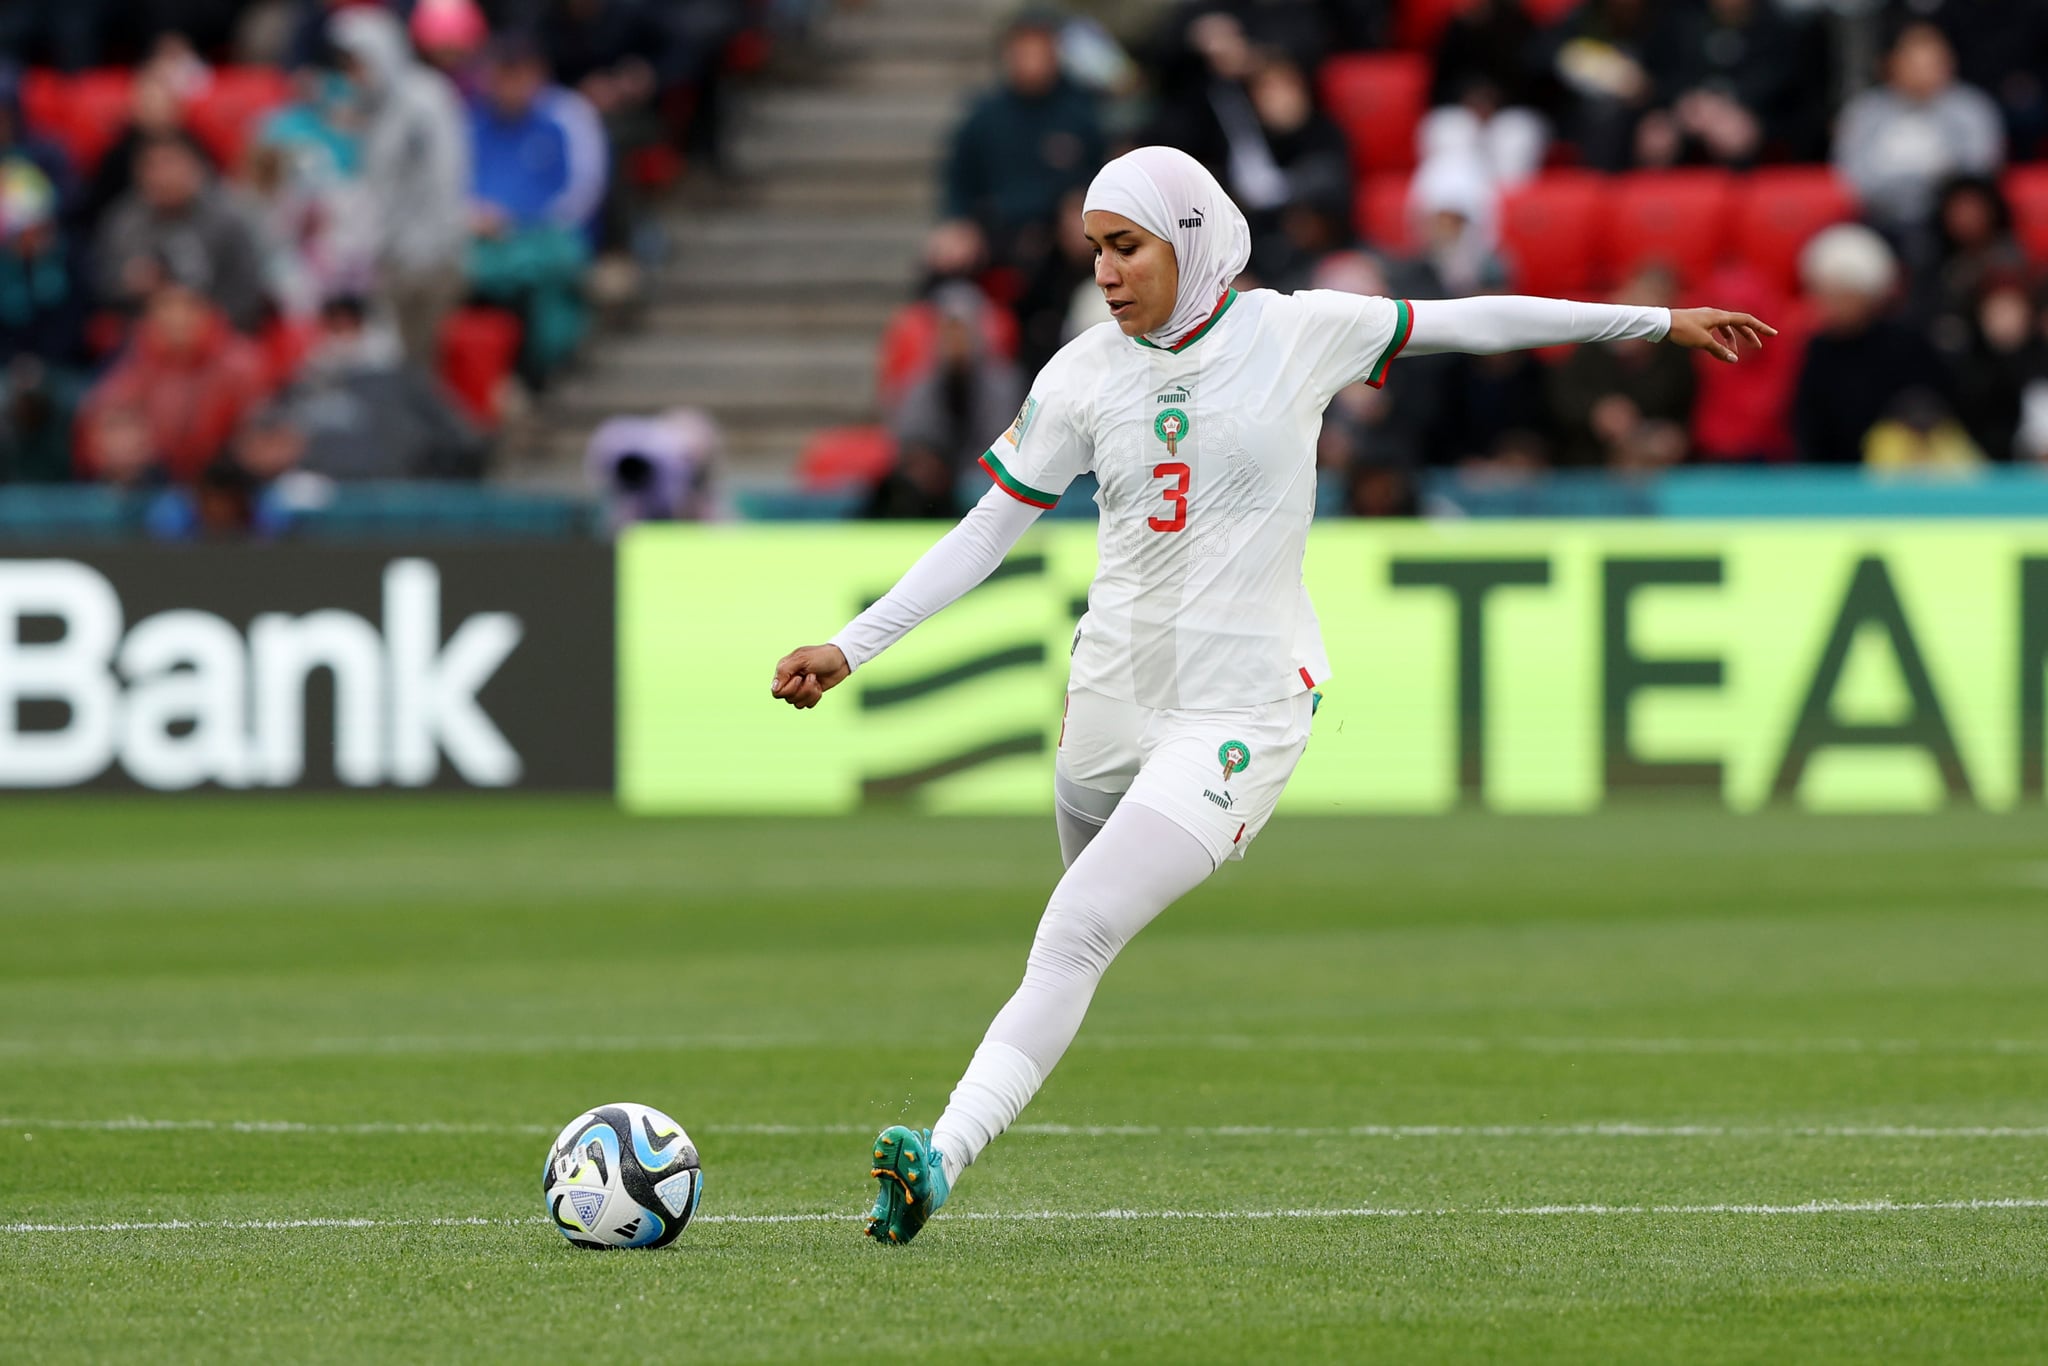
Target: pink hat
<point>449,23</point>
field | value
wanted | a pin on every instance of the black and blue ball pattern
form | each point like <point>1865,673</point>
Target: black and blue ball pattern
<point>622,1175</point>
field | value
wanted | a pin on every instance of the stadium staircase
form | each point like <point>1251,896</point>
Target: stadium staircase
<point>777,287</point>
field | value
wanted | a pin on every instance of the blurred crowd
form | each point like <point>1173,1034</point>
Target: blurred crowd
<point>1913,332</point>
<point>250,248</point>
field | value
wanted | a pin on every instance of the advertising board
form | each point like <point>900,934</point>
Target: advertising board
<point>1554,666</point>
<point>172,668</point>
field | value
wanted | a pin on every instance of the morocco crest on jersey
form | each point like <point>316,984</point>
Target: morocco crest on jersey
<point>1170,426</point>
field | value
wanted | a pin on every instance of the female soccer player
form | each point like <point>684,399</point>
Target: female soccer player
<point>1194,669</point>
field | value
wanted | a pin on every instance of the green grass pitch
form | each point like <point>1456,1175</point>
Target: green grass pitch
<point>1657,1085</point>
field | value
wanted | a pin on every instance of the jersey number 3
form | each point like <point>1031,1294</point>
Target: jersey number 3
<point>1176,497</point>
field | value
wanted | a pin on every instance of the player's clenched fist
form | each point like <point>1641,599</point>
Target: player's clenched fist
<point>804,675</point>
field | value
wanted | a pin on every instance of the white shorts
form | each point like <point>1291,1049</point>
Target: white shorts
<point>1217,774</point>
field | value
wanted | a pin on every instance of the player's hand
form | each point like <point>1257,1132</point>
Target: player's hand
<point>804,675</point>
<point>1717,332</point>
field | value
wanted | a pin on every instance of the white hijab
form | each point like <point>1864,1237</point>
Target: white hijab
<point>1168,194</point>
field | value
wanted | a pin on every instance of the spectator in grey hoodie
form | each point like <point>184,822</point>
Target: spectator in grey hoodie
<point>1898,142</point>
<point>178,215</point>
<point>416,174</point>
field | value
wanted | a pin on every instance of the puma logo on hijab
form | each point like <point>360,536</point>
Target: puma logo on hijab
<point>1194,222</point>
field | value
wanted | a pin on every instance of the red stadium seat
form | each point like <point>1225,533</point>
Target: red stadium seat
<point>1778,209</point>
<point>105,333</point>
<point>1422,22</point>
<point>2026,188</point>
<point>225,116</point>
<point>1677,219</point>
<point>1550,230</point>
<point>478,348</point>
<point>1380,212</point>
<point>1377,98</point>
<point>748,51</point>
<point>839,456</point>
<point>656,166</point>
<point>84,113</point>
<point>286,344</point>
<point>42,101</point>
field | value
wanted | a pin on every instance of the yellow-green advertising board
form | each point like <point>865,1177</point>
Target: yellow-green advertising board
<point>1554,666</point>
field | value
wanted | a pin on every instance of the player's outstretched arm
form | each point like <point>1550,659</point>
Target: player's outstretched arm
<point>1493,323</point>
<point>963,557</point>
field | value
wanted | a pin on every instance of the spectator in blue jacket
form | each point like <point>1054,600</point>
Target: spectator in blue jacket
<point>540,168</point>
<point>634,62</point>
<point>1023,146</point>
<point>539,149</point>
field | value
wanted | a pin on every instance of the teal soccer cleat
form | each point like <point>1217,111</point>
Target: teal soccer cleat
<point>913,1182</point>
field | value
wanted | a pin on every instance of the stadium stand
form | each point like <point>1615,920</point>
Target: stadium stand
<point>805,352</point>
<point>1552,231</point>
<point>1723,207</point>
<point>294,131</point>
<point>1778,209</point>
<point>1678,219</point>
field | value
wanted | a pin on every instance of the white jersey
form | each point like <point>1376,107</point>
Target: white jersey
<point>1205,458</point>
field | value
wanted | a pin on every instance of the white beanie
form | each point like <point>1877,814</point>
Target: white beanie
<point>1849,258</point>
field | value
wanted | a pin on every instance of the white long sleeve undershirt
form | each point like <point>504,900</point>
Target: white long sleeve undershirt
<point>1493,323</point>
<point>962,558</point>
<point>1486,325</point>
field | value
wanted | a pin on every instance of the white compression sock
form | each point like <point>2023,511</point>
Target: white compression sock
<point>998,1084</point>
<point>1135,867</point>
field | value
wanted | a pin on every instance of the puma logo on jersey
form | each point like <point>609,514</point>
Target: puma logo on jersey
<point>1225,801</point>
<point>1180,395</point>
<point>1195,221</point>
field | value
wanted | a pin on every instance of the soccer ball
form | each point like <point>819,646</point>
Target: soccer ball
<point>622,1176</point>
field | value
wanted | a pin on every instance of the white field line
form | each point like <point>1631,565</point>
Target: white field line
<point>228,1050</point>
<point>1611,1129</point>
<point>1342,1043</point>
<point>1808,1207</point>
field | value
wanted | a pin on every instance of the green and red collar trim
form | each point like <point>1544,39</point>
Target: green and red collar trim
<point>1222,307</point>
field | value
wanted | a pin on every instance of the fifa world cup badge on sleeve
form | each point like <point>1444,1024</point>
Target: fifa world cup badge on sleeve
<point>1170,426</point>
<point>1023,422</point>
<point>1234,757</point>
